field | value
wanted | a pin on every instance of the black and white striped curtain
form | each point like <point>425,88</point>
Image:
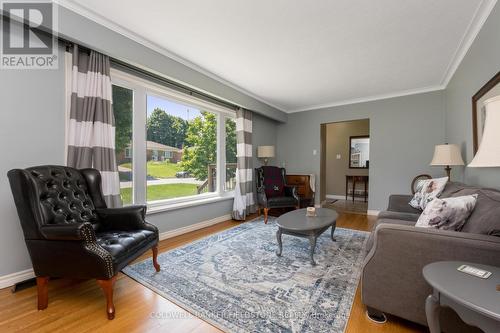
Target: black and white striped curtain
<point>91,132</point>
<point>244,202</point>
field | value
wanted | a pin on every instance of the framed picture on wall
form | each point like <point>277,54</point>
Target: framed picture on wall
<point>359,152</point>
<point>490,89</point>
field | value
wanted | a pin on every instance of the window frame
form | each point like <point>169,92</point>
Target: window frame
<point>141,89</point>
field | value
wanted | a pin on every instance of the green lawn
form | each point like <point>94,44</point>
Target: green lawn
<point>159,169</point>
<point>158,192</point>
<point>162,169</point>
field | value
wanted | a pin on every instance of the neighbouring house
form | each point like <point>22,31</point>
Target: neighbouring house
<point>154,152</point>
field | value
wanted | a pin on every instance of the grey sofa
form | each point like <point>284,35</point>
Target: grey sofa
<point>392,280</point>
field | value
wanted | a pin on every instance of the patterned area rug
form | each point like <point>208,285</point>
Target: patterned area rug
<point>235,281</point>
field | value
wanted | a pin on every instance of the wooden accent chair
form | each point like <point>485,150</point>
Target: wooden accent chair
<point>70,232</point>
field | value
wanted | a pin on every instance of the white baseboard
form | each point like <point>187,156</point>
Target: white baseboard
<point>342,197</point>
<point>11,279</point>
<point>193,227</point>
<point>373,212</point>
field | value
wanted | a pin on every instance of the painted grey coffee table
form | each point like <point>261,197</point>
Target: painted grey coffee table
<point>296,223</point>
<point>475,300</point>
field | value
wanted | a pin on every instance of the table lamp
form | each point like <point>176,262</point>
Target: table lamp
<point>447,155</point>
<point>265,152</point>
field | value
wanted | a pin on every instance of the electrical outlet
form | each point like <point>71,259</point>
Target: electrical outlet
<point>315,151</point>
<point>339,156</point>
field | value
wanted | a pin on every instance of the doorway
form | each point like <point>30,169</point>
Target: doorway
<point>345,162</point>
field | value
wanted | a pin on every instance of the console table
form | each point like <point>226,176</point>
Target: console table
<point>349,179</point>
<point>475,300</point>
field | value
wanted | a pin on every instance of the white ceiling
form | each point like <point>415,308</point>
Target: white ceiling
<point>299,54</point>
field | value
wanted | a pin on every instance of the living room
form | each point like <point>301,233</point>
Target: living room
<point>164,166</point>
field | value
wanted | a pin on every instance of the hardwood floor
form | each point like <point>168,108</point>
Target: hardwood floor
<point>79,306</point>
<point>347,206</point>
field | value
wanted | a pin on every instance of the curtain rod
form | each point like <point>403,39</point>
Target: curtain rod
<point>119,64</point>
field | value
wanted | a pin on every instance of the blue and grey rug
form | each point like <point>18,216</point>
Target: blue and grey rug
<point>235,281</point>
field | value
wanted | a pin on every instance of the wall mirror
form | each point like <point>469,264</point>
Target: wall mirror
<point>359,147</point>
<point>489,90</point>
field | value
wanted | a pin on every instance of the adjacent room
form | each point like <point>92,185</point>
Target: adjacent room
<point>250,166</point>
<point>345,163</point>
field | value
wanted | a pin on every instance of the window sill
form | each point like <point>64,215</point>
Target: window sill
<point>154,209</point>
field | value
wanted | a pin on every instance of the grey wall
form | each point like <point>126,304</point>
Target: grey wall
<point>32,127</point>
<point>480,64</point>
<point>31,132</point>
<point>264,134</point>
<point>403,132</point>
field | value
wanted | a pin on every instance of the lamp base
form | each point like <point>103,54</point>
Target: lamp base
<point>448,172</point>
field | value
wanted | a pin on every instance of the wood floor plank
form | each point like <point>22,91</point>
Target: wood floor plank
<point>79,306</point>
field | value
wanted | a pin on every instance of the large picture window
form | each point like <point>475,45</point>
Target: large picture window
<point>173,147</point>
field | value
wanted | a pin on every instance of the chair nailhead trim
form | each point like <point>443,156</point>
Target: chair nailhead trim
<point>91,245</point>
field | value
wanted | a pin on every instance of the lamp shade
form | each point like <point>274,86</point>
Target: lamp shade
<point>488,154</point>
<point>447,155</point>
<point>265,151</point>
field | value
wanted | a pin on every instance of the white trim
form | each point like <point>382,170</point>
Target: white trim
<point>97,18</point>
<point>193,227</point>
<point>370,98</point>
<point>372,212</point>
<point>13,278</point>
<point>342,197</point>
<point>478,19</point>
<point>162,206</point>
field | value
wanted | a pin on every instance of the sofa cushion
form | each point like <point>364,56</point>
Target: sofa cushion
<point>398,216</point>
<point>486,215</point>
<point>400,203</point>
<point>452,187</point>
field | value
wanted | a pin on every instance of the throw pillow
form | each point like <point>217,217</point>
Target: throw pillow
<point>447,213</point>
<point>273,181</point>
<point>426,191</point>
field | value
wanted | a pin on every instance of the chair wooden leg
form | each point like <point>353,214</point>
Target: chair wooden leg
<point>266,210</point>
<point>107,288</point>
<point>155,258</point>
<point>258,211</point>
<point>43,291</point>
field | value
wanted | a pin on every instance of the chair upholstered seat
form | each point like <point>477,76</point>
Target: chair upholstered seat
<point>278,202</point>
<point>124,244</point>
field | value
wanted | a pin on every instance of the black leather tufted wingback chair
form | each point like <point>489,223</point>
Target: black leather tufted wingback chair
<point>273,191</point>
<point>71,233</point>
